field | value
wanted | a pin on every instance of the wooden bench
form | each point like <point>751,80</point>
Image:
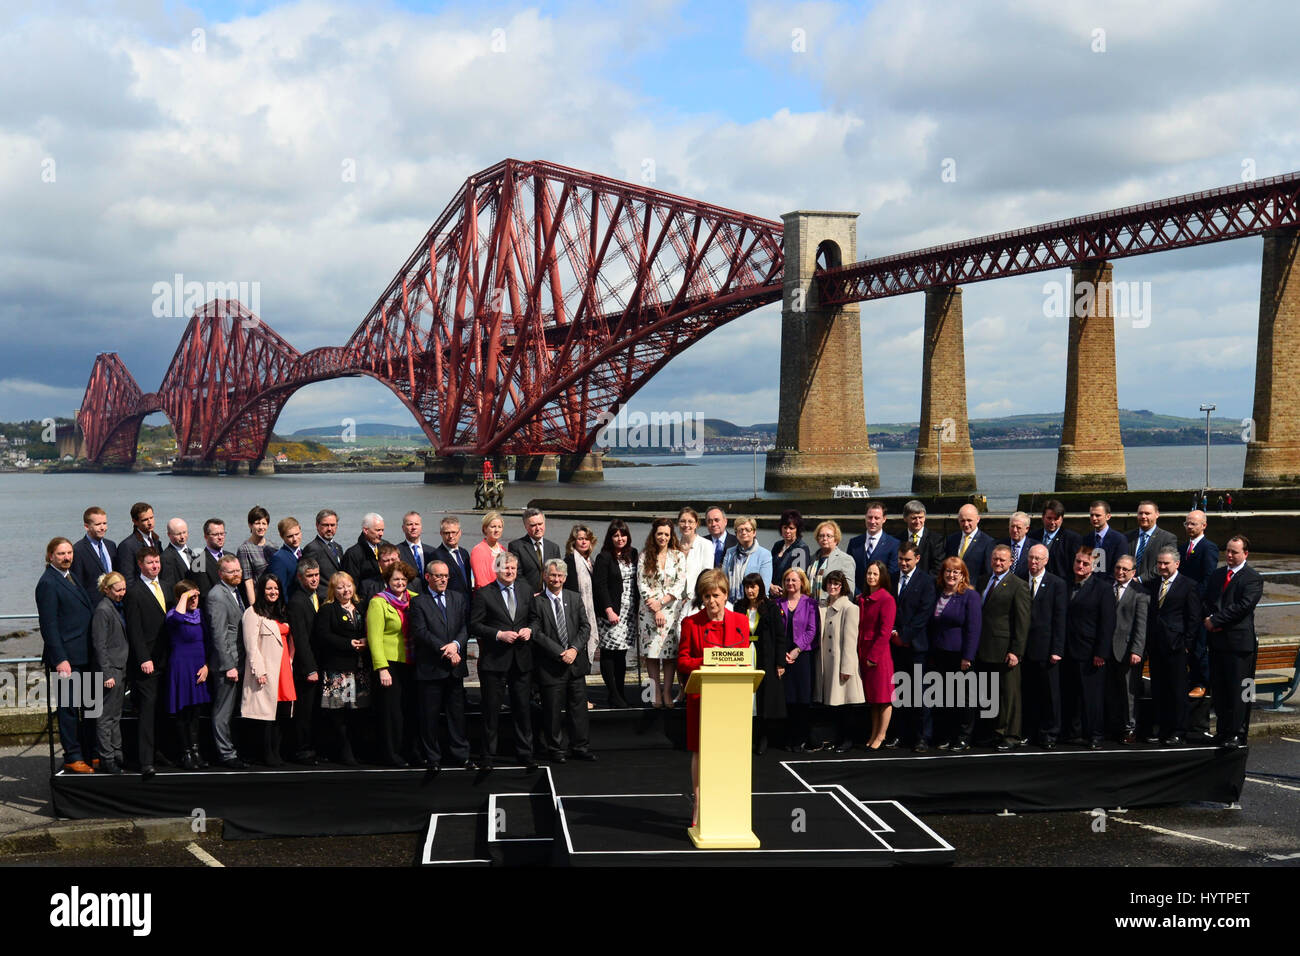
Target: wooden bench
<point>1277,667</point>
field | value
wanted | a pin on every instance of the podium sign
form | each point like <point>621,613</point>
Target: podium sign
<point>726,773</point>
<point>729,656</point>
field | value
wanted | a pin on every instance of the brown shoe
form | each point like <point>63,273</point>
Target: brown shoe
<point>78,766</point>
<point>1196,692</point>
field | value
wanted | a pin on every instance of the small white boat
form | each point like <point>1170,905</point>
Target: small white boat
<point>854,490</point>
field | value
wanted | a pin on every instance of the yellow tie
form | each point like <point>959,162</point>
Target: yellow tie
<point>157,592</point>
<point>1164,587</point>
<point>965,542</point>
<point>916,538</point>
<point>315,601</point>
<point>1034,593</point>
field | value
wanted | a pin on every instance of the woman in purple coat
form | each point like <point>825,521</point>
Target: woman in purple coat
<point>800,624</point>
<point>187,671</point>
<point>954,639</point>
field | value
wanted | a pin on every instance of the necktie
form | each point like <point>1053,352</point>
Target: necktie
<point>336,552</point>
<point>1015,558</point>
<point>157,593</point>
<point>993,582</point>
<point>965,542</point>
<point>871,547</point>
<point>418,555</point>
<point>185,557</point>
<point>1118,591</point>
<point>902,585</point>
<point>442,605</point>
<point>1033,589</point>
<point>510,601</point>
<point>1228,579</point>
<point>916,537</point>
<point>297,552</point>
<point>561,629</point>
<point>717,552</point>
<point>103,555</point>
<point>539,554</point>
<point>1142,546</point>
<point>1164,589</point>
<point>315,601</point>
<point>1047,538</point>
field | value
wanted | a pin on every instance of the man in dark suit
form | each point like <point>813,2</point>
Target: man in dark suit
<point>1173,621</point>
<point>64,609</point>
<point>1004,634</point>
<point>972,545</point>
<point>1124,660</point>
<point>146,605</point>
<point>284,563</point>
<point>499,622</point>
<point>361,561</point>
<point>177,557</point>
<point>929,545</point>
<point>534,549</point>
<point>1146,540</point>
<point>223,610</point>
<point>910,639</point>
<point>206,570</point>
<point>141,536</point>
<point>873,545</point>
<point>302,608</point>
<point>412,549</point>
<point>560,665</point>
<point>1019,542</point>
<point>439,624</point>
<point>372,586</point>
<point>1197,560</point>
<point>1062,544</point>
<point>456,557</point>
<point>715,519</point>
<point>94,554</point>
<point>1048,601</point>
<point>1089,628</point>
<point>1231,597</point>
<point>325,550</point>
<point>1106,543</point>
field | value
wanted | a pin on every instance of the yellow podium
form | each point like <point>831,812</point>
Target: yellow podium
<point>726,685</point>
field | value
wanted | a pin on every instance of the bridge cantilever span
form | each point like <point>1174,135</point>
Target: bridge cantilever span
<point>544,296</point>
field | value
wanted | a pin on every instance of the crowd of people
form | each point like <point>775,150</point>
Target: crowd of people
<point>309,642</point>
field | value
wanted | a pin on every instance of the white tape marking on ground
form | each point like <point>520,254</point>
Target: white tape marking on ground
<point>1273,783</point>
<point>204,856</point>
<point>1177,833</point>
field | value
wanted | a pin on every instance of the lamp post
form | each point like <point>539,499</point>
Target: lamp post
<point>1207,409</point>
<point>755,441</point>
<point>938,450</point>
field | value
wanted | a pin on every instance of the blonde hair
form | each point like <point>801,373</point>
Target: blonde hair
<point>488,518</point>
<point>106,581</point>
<point>835,530</point>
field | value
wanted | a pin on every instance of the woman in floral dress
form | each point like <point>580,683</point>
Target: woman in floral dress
<point>661,581</point>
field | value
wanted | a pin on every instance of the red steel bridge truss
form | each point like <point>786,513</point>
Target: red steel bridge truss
<point>544,296</point>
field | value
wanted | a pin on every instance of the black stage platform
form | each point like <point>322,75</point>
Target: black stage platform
<point>631,806</point>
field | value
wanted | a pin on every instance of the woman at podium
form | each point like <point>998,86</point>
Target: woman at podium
<point>712,626</point>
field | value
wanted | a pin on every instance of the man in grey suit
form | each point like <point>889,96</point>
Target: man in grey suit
<point>560,634</point>
<point>1124,668</point>
<point>1146,540</point>
<point>326,551</point>
<point>224,610</point>
<point>1004,635</point>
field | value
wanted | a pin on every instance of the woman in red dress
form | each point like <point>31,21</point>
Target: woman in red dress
<point>876,613</point>
<point>712,626</point>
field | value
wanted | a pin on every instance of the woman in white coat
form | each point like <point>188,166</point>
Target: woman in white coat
<point>268,671</point>
<point>839,684</point>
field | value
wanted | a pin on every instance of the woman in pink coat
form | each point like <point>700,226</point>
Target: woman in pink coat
<point>876,612</point>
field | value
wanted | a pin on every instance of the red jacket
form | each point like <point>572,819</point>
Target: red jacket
<point>690,652</point>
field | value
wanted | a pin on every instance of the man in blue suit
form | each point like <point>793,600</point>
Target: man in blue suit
<point>456,557</point>
<point>94,554</point>
<point>1198,559</point>
<point>972,545</point>
<point>284,563</point>
<point>1107,544</point>
<point>874,545</point>
<point>910,639</point>
<point>64,610</point>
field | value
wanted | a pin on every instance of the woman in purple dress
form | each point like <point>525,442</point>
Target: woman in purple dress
<point>187,671</point>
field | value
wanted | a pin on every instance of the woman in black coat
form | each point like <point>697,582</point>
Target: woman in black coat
<point>767,636</point>
<point>339,639</point>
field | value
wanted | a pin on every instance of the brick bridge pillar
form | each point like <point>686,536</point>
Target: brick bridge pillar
<point>1273,454</point>
<point>1091,456</point>
<point>943,399</point>
<point>821,437</point>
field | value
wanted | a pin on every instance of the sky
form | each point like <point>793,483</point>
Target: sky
<point>140,140</point>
